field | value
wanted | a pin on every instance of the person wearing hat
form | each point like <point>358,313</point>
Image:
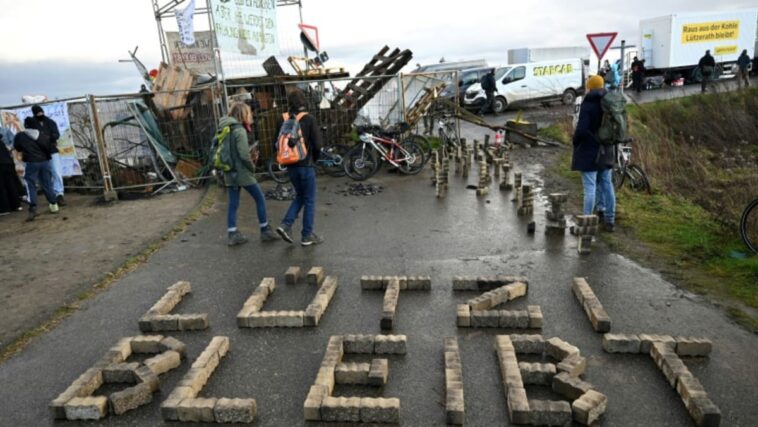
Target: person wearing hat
<point>593,161</point>
<point>707,66</point>
<point>35,148</point>
<point>50,128</point>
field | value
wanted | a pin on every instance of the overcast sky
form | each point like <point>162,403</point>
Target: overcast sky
<point>72,47</point>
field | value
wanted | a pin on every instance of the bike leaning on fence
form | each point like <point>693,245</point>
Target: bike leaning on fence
<point>749,225</point>
<point>377,145</point>
<point>626,171</point>
<point>331,162</point>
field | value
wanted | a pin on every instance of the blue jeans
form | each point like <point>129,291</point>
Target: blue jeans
<point>58,174</point>
<point>590,182</point>
<point>42,172</point>
<point>234,204</point>
<point>304,181</point>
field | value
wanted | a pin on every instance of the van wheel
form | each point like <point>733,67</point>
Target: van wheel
<point>569,97</point>
<point>500,105</point>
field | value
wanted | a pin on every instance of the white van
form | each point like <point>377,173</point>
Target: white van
<point>561,79</point>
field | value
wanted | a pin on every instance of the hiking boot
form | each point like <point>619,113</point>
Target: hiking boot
<point>32,214</point>
<point>53,208</point>
<point>608,227</point>
<point>236,238</point>
<point>285,231</point>
<point>600,215</point>
<point>60,200</point>
<point>268,235</point>
<point>311,239</point>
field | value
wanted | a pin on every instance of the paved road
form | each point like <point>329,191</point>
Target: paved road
<point>403,230</point>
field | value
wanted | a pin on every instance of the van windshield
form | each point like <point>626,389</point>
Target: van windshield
<point>501,72</point>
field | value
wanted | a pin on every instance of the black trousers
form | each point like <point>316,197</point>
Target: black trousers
<point>489,104</point>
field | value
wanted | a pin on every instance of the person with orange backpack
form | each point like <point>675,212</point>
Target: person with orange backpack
<point>298,147</point>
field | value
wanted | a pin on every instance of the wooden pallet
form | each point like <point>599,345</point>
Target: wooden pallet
<point>171,89</point>
<point>420,108</point>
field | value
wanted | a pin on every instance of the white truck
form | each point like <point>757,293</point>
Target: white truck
<point>673,44</point>
<point>524,55</point>
<point>560,79</point>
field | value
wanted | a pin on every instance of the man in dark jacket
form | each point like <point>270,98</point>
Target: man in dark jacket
<point>489,86</point>
<point>50,128</point>
<point>303,175</point>
<point>638,73</point>
<point>707,66</point>
<point>34,147</point>
<point>743,73</point>
<point>593,159</point>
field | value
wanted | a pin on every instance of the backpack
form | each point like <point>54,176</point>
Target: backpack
<point>290,144</point>
<point>221,153</point>
<point>613,128</point>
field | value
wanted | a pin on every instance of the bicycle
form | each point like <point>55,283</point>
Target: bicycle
<point>749,225</point>
<point>330,161</point>
<point>446,133</point>
<point>626,171</point>
<point>362,162</point>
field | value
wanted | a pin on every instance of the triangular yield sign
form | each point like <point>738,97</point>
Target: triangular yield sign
<point>601,42</point>
<point>311,33</point>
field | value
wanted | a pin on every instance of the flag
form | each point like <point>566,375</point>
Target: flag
<point>184,19</point>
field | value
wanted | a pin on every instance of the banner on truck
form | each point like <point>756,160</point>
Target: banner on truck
<point>197,57</point>
<point>710,31</point>
<point>58,111</point>
<point>246,27</point>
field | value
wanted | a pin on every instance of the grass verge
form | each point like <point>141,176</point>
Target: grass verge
<point>111,277</point>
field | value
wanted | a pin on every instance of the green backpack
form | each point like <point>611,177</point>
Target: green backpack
<point>613,128</point>
<point>221,151</point>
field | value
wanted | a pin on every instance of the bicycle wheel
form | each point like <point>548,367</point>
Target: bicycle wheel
<point>412,159</point>
<point>277,172</point>
<point>617,176</point>
<point>334,158</point>
<point>360,163</point>
<point>423,142</point>
<point>638,179</point>
<point>749,226</point>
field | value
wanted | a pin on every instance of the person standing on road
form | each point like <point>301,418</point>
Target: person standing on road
<point>50,128</point>
<point>707,66</point>
<point>35,149</point>
<point>743,73</point>
<point>242,175</point>
<point>303,174</point>
<point>590,157</point>
<point>638,73</point>
<point>489,86</point>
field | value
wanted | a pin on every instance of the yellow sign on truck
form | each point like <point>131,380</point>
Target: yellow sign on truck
<point>710,31</point>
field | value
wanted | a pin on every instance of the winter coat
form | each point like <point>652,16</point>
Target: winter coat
<point>589,154</point>
<point>638,67</point>
<point>488,82</point>
<point>243,169</point>
<point>49,127</point>
<point>743,61</point>
<point>33,145</point>
<point>707,61</point>
<point>312,137</point>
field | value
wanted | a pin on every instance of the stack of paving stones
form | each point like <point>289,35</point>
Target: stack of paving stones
<point>587,404</point>
<point>77,401</point>
<point>483,186</point>
<point>505,184</point>
<point>320,405</point>
<point>158,319</point>
<point>585,229</point>
<point>435,166</point>
<point>455,410</point>
<point>476,151</point>
<point>517,185</point>
<point>392,285</point>
<point>496,165</point>
<point>458,160</point>
<point>443,177</point>
<point>600,320</point>
<point>466,161</point>
<point>183,403</point>
<point>556,217</point>
<point>666,352</point>
<point>251,315</point>
<point>479,312</point>
<point>526,200</point>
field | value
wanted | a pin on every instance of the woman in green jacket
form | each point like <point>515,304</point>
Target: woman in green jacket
<point>240,119</point>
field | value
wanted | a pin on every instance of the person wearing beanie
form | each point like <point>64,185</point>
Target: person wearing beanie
<point>594,161</point>
<point>50,128</point>
<point>34,147</point>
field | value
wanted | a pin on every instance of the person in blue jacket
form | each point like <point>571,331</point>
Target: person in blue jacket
<point>593,159</point>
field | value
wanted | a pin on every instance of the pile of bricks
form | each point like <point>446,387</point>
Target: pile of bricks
<point>442,172</point>
<point>77,401</point>
<point>666,352</point>
<point>251,315</point>
<point>526,200</point>
<point>600,320</point>
<point>320,405</point>
<point>158,318</point>
<point>587,404</point>
<point>586,227</point>
<point>485,283</point>
<point>466,161</point>
<point>517,185</point>
<point>483,185</point>
<point>556,217</point>
<point>479,313</point>
<point>392,285</point>
<point>455,410</point>
<point>182,404</point>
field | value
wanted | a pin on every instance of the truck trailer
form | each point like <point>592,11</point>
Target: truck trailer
<point>672,45</point>
<point>540,54</point>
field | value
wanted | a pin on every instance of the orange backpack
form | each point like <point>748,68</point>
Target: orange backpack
<point>290,145</point>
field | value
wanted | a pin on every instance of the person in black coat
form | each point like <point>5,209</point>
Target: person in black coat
<point>707,66</point>
<point>638,74</point>
<point>35,150</point>
<point>489,86</point>
<point>50,128</point>
<point>743,73</point>
<point>10,197</point>
<point>594,160</point>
